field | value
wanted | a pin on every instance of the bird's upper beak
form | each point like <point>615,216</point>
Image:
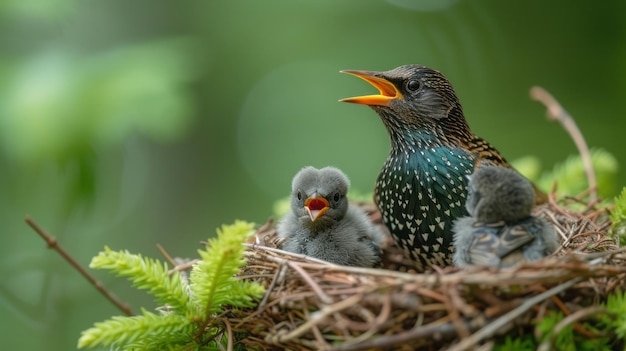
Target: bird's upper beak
<point>387,90</point>
<point>316,206</point>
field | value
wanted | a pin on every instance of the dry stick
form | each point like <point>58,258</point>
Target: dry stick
<point>183,267</point>
<point>402,338</point>
<point>268,291</point>
<point>455,315</point>
<point>376,323</point>
<point>558,113</point>
<point>491,328</point>
<point>287,253</point>
<point>54,244</point>
<point>166,255</point>
<point>319,338</point>
<point>315,318</point>
<point>229,330</point>
<point>463,277</point>
<point>307,278</point>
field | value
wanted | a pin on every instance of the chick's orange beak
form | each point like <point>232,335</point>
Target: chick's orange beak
<point>316,206</point>
<point>387,91</point>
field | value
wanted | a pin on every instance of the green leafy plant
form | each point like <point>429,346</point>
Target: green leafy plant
<point>615,318</point>
<point>525,343</point>
<point>618,216</point>
<point>572,180</point>
<point>189,317</point>
<point>545,328</point>
<point>570,174</point>
<point>609,326</point>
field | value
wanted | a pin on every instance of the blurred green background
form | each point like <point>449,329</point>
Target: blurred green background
<point>132,123</point>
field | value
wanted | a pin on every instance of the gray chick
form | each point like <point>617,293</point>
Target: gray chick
<point>323,225</point>
<point>500,230</point>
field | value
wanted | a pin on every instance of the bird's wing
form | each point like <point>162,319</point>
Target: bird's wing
<point>546,241</point>
<point>482,251</point>
<point>485,152</point>
<point>515,237</point>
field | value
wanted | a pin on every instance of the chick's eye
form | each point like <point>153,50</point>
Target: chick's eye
<point>412,85</point>
<point>336,197</point>
<point>299,195</point>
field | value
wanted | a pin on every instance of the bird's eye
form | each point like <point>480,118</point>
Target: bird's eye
<point>336,197</point>
<point>299,195</point>
<point>413,85</point>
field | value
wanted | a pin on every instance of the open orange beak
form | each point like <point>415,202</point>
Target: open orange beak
<point>316,206</point>
<point>387,90</point>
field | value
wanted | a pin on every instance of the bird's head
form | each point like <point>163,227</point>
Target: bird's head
<point>412,96</point>
<point>499,193</point>
<point>319,195</point>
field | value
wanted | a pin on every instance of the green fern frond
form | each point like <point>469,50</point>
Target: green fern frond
<point>212,279</point>
<point>190,323</point>
<point>572,180</point>
<point>616,316</point>
<point>618,216</point>
<point>565,338</point>
<point>145,273</point>
<point>522,343</point>
<point>547,323</point>
<point>121,332</point>
<point>568,340</point>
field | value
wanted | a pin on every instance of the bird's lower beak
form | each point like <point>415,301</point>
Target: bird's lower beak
<point>387,90</point>
<point>316,206</point>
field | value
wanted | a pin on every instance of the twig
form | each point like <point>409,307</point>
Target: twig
<point>307,278</point>
<point>166,255</point>
<point>387,342</point>
<point>559,270</point>
<point>229,331</point>
<point>183,266</point>
<point>287,253</point>
<point>316,317</point>
<point>557,112</point>
<point>280,273</point>
<point>54,244</point>
<point>493,327</point>
<point>322,344</point>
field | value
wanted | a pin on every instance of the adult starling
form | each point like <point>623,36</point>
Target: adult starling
<point>500,230</point>
<point>422,186</point>
<point>323,225</point>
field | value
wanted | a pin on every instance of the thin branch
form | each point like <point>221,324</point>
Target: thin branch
<point>229,330</point>
<point>307,278</point>
<point>403,338</point>
<point>54,244</point>
<point>166,255</point>
<point>280,272</point>
<point>557,112</point>
<point>183,266</point>
<point>561,268</point>
<point>323,313</point>
<point>493,327</point>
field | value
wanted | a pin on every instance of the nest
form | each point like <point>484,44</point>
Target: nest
<point>314,305</point>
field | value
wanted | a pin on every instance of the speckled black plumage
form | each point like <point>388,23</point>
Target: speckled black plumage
<point>422,186</point>
<point>340,233</point>
<point>500,229</point>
